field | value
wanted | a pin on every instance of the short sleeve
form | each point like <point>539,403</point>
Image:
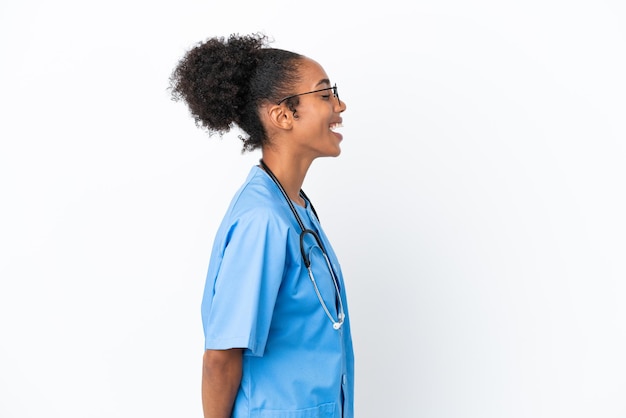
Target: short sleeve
<point>237,313</point>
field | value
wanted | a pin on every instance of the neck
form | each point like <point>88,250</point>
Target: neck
<point>289,172</point>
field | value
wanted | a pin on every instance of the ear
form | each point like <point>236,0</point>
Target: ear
<point>279,117</point>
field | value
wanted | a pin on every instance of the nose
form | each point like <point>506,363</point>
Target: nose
<point>341,105</point>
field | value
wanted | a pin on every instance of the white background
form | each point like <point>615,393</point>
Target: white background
<point>477,207</point>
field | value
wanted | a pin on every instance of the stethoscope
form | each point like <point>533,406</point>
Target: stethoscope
<point>306,257</point>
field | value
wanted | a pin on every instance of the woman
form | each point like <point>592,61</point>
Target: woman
<point>277,332</point>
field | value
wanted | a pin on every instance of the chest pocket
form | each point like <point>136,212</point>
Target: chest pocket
<point>326,410</point>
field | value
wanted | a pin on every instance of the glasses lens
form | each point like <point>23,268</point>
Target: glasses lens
<point>335,92</point>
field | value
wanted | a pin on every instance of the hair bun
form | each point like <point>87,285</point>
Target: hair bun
<point>213,79</point>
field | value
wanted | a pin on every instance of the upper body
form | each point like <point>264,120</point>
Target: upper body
<point>259,296</point>
<point>273,346</point>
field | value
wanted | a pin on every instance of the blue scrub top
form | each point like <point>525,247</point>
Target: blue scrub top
<point>258,296</point>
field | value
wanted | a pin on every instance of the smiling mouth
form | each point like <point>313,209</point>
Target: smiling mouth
<point>336,126</point>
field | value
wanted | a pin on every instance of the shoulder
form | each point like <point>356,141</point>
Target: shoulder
<point>258,200</point>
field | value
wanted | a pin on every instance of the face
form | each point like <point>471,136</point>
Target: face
<point>318,114</point>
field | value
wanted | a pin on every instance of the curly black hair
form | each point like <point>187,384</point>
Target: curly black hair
<point>224,81</point>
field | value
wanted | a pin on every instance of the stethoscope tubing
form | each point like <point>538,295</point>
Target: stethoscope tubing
<point>306,258</point>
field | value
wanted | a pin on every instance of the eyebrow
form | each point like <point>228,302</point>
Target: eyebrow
<point>323,81</point>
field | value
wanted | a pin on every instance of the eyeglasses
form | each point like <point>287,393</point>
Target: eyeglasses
<point>333,88</point>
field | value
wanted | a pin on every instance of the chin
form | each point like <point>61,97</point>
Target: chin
<point>331,152</point>
<point>336,153</point>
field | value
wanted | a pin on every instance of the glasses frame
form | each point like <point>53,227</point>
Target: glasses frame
<point>333,88</point>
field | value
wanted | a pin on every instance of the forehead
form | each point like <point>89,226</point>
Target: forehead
<point>311,73</point>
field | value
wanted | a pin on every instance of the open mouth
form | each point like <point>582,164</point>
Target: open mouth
<point>335,126</point>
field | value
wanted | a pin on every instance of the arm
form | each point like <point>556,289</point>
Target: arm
<point>221,376</point>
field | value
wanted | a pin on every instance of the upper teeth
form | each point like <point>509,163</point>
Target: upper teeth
<point>336,125</point>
